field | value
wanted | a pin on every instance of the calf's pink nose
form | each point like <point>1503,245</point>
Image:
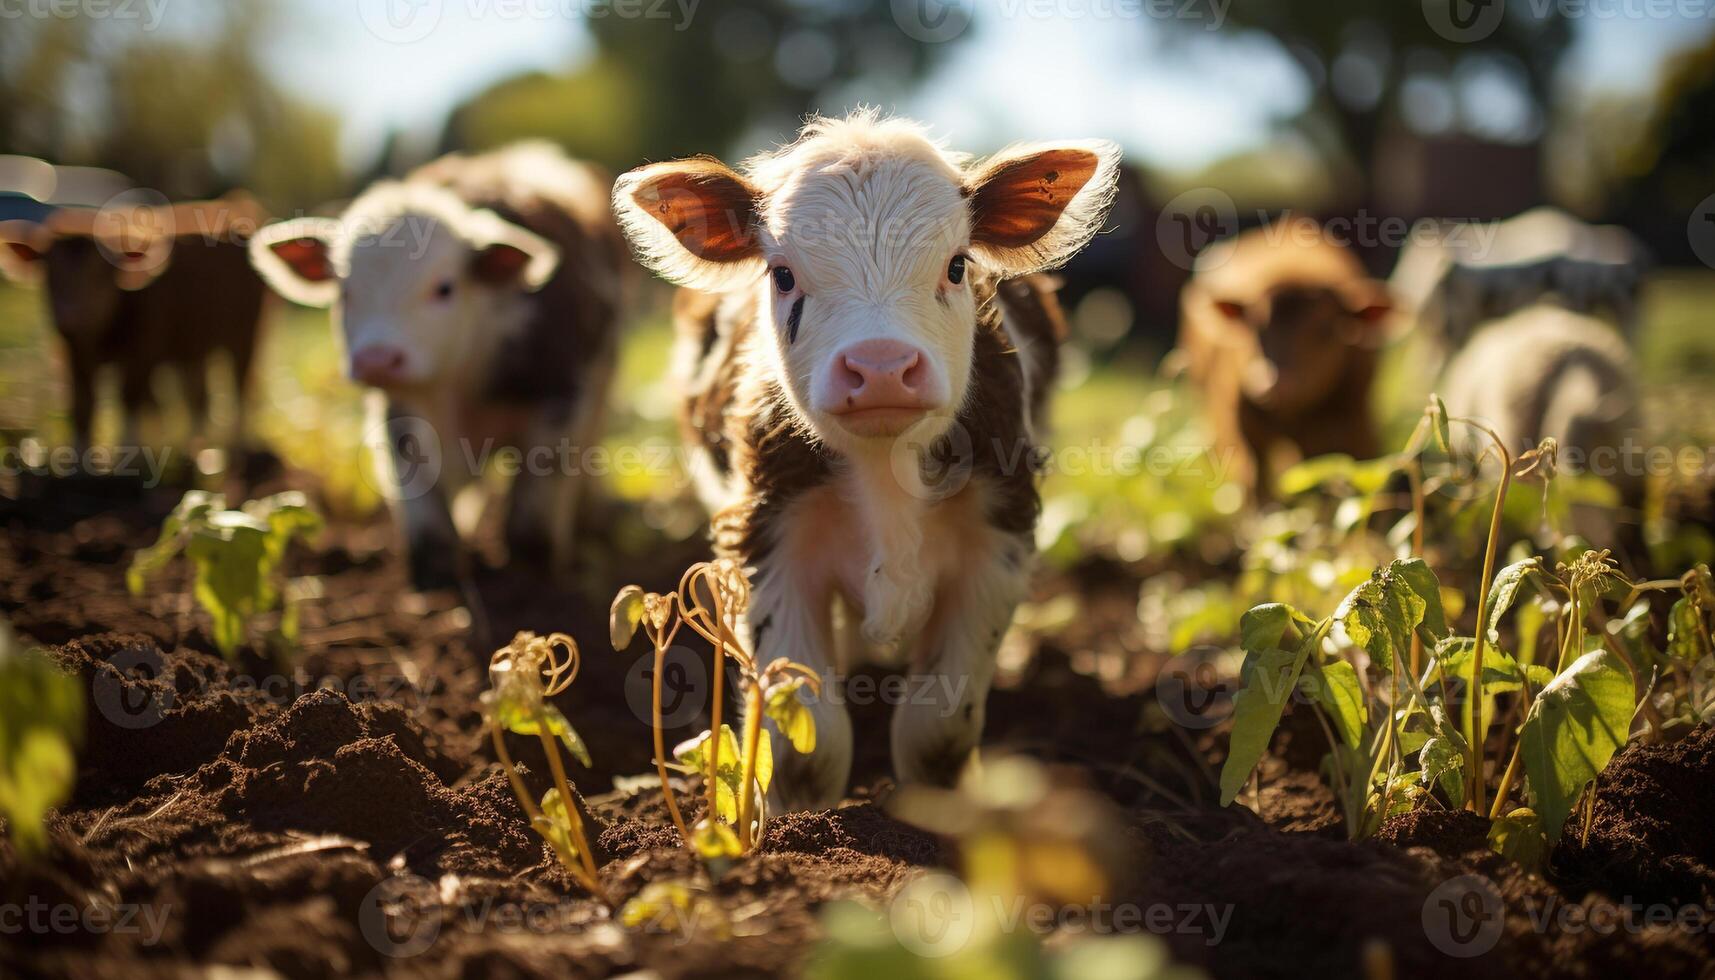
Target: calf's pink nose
<point>881,374</point>
<point>377,365</point>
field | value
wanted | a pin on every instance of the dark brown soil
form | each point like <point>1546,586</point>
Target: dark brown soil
<point>346,814</point>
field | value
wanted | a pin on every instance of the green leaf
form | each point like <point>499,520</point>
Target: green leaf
<point>1315,472</point>
<point>714,840</point>
<point>1576,724</point>
<point>191,513</point>
<point>1443,760</point>
<point>764,762</point>
<point>1687,641</point>
<point>555,826</point>
<point>525,722</point>
<point>1382,613</point>
<point>1518,837</point>
<point>791,715</point>
<point>1502,673</point>
<point>1417,576</point>
<point>692,754</point>
<point>625,616</point>
<point>1443,428</point>
<point>1340,694</point>
<point>1270,676</point>
<point>1509,582</point>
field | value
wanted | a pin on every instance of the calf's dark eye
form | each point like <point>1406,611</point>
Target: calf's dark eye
<point>444,290</point>
<point>956,270</point>
<point>783,280</point>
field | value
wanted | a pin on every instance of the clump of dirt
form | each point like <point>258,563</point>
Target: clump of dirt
<point>1650,838</point>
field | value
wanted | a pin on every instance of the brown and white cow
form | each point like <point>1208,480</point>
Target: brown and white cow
<point>1279,329</point>
<point>481,295</point>
<point>145,288</point>
<point>867,360</point>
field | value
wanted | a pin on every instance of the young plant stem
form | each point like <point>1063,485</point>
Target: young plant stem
<point>573,817</point>
<point>585,875</point>
<point>1414,472</point>
<point>1475,730</point>
<point>715,709</point>
<point>1507,778</point>
<point>747,785</point>
<point>661,644</point>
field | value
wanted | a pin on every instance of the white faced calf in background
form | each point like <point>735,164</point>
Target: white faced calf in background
<point>481,296</point>
<point>865,392</point>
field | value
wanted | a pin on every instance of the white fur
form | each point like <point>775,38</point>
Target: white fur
<point>389,251</point>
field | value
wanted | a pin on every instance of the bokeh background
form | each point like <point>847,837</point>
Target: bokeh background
<point>1389,111</point>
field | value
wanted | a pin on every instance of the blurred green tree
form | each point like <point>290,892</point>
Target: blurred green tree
<point>658,88</point>
<point>187,111</point>
<point>1433,65</point>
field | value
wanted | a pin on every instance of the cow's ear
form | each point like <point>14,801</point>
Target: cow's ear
<point>694,222</point>
<point>1034,206</point>
<point>508,255</point>
<point>1370,304</point>
<point>296,258</point>
<point>22,247</point>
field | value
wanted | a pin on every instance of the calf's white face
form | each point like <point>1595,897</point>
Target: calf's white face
<point>421,285</point>
<point>864,237</point>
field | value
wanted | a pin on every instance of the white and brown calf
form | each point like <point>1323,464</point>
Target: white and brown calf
<point>865,374</point>
<point>481,296</point>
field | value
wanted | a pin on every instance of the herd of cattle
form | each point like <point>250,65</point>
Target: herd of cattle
<point>861,310</point>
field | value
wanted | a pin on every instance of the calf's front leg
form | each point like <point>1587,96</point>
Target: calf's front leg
<point>790,618</point>
<point>420,477</point>
<point>938,725</point>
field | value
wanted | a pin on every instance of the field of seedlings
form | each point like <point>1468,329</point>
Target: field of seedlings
<point>1404,723</point>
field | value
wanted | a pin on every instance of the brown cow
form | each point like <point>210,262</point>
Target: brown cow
<point>1279,329</point>
<point>142,289</point>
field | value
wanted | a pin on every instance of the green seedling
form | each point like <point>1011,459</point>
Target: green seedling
<point>41,723</point>
<point>1022,841</point>
<point>522,676</point>
<point>1405,702</point>
<point>236,556</point>
<point>736,769</point>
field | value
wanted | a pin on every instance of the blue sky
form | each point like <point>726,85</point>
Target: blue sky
<point>1175,97</point>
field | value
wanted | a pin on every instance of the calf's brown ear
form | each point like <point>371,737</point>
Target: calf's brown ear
<point>295,258</point>
<point>1370,304</point>
<point>22,246</point>
<point>694,222</point>
<point>1034,206</point>
<point>508,255</point>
